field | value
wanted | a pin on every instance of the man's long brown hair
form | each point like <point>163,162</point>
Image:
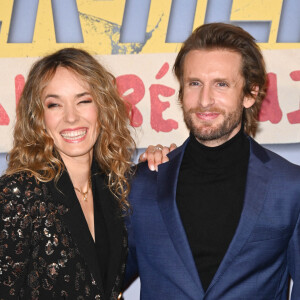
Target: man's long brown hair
<point>229,37</point>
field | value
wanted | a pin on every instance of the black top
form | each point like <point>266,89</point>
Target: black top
<point>210,193</point>
<point>107,217</point>
<point>101,238</point>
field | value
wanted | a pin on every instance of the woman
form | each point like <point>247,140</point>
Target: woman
<point>62,198</point>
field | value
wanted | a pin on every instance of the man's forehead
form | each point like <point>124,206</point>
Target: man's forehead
<point>221,62</point>
<point>212,54</point>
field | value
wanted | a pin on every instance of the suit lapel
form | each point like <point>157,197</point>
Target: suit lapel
<point>63,192</point>
<point>258,177</point>
<point>167,184</point>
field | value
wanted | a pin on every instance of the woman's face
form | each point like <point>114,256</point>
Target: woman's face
<point>70,115</point>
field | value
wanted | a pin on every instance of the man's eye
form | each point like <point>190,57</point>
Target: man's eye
<point>194,83</point>
<point>222,84</point>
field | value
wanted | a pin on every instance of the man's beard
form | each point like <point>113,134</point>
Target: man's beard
<point>204,131</point>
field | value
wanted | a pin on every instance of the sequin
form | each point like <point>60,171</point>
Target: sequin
<point>18,268</point>
<point>47,233</point>
<point>20,209</point>
<point>49,221</point>
<point>55,240</point>
<point>19,247</point>
<point>8,281</point>
<point>4,234</point>
<point>13,236</point>
<point>38,191</point>
<point>12,292</point>
<point>62,262</point>
<point>49,248</point>
<point>7,208</point>
<point>7,221</point>
<point>65,240</point>
<point>58,225</point>
<point>87,290</point>
<point>52,270</point>
<point>9,261</point>
<point>3,249</point>
<point>93,281</point>
<point>16,191</point>
<point>42,209</point>
<point>42,262</point>
<point>20,233</point>
<point>64,294</point>
<point>47,285</point>
<point>24,223</point>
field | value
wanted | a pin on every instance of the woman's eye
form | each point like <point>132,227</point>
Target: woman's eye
<point>86,101</point>
<point>51,105</point>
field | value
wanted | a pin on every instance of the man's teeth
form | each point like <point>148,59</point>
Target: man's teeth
<point>73,135</point>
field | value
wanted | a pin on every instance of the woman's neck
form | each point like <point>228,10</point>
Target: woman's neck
<point>79,169</point>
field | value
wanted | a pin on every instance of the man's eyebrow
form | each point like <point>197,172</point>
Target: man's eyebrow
<point>191,79</point>
<point>223,79</point>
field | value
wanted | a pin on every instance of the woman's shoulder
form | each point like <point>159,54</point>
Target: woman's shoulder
<point>18,179</point>
<point>21,184</point>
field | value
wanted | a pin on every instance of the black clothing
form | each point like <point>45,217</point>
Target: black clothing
<point>46,249</point>
<point>210,193</point>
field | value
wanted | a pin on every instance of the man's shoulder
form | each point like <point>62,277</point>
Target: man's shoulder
<point>143,170</point>
<point>274,160</point>
<point>145,179</point>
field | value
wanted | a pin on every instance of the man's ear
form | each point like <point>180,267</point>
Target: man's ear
<point>249,100</point>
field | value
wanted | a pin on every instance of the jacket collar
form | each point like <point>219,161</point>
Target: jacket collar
<point>63,192</point>
<point>115,227</point>
<point>167,178</point>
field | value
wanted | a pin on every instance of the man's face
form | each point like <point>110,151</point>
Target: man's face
<point>213,98</point>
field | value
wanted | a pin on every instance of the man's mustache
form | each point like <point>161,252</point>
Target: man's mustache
<point>202,110</point>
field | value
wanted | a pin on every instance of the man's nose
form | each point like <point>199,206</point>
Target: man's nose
<point>206,97</point>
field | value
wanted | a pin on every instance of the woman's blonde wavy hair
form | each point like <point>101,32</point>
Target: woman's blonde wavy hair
<point>33,149</point>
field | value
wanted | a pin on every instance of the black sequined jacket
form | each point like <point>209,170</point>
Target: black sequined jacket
<point>46,250</point>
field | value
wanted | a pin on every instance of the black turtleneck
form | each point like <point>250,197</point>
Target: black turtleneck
<point>210,194</point>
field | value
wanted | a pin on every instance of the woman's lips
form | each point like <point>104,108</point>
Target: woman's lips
<point>74,135</point>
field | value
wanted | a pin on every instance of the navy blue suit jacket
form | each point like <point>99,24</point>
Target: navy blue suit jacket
<point>263,254</point>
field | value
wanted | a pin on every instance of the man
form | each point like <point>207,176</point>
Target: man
<point>220,220</point>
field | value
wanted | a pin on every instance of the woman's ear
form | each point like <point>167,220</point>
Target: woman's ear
<point>250,99</point>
